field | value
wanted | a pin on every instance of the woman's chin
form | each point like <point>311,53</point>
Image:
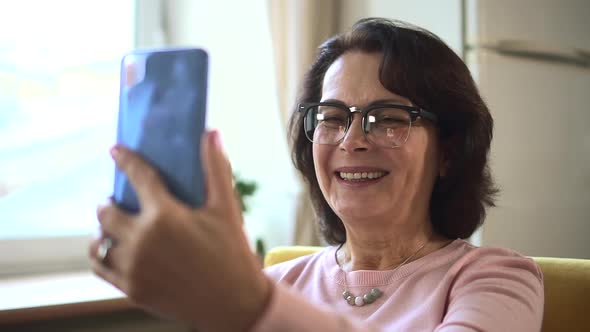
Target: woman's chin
<point>358,211</point>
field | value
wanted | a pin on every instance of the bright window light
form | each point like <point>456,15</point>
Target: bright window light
<point>59,74</point>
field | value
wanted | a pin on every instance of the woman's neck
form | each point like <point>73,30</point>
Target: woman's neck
<point>386,253</point>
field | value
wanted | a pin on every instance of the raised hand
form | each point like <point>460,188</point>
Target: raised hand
<point>191,265</point>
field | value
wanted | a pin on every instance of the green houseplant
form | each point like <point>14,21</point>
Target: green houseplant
<point>245,189</point>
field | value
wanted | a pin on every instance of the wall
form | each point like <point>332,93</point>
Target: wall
<point>443,18</point>
<point>540,155</point>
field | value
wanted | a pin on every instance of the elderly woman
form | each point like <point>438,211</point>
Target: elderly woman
<point>392,138</point>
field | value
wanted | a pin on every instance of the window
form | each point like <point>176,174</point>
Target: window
<point>59,70</point>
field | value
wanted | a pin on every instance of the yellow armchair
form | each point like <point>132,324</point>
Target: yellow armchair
<point>567,287</point>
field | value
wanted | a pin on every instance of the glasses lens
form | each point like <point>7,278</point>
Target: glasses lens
<point>326,124</point>
<point>388,127</point>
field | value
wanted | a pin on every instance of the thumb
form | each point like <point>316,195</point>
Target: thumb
<point>218,173</point>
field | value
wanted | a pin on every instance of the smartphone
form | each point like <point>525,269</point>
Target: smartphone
<point>162,104</point>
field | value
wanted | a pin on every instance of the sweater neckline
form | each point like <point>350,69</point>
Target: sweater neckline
<point>374,278</point>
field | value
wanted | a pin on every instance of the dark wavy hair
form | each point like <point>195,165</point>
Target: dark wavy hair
<point>419,66</point>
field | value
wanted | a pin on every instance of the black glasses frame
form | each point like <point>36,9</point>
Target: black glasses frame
<point>414,112</point>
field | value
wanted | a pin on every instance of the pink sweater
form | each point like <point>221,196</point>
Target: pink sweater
<point>457,288</point>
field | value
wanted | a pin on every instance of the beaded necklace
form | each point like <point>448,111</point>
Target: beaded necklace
<point>374,293</point>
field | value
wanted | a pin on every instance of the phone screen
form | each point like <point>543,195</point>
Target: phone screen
<point>162,117</point>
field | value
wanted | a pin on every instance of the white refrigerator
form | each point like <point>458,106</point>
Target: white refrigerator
<point>531,61</point>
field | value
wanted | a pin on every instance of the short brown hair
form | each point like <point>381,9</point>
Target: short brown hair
<point>417,65</point>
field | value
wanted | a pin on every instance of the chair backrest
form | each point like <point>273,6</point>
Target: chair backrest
<point>566,283</point>
<point>286,253</point>
<point>567,293</point>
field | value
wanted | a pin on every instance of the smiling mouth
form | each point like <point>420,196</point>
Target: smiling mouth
<point>360,176</point>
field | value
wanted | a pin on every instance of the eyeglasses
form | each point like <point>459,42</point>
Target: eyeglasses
<point>384,125</point>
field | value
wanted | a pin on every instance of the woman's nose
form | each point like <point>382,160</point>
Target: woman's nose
<point>355,139</point>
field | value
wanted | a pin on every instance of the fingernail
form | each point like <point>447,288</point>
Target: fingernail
<point>216,138</point>
<point>115,152</point>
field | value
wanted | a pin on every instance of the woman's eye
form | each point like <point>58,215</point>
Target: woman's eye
<point>333,117</point>
<point>334,121</point>
<point>388,120</point>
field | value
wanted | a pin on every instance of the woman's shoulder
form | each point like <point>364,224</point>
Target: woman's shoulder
<point>493,261</point>
<point>291,270</point>
<point>505,286</point>
<point>470,252</point>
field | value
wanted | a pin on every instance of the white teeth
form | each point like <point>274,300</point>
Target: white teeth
<point>361,175</point>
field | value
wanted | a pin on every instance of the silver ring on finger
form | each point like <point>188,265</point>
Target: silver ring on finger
<point>105,245</point>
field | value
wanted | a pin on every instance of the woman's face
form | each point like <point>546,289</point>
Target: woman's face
<point>406,174</point>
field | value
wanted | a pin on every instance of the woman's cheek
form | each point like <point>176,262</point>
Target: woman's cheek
<point>322,169</point>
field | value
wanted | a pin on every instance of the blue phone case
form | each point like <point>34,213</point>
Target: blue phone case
<point>162,117</point>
